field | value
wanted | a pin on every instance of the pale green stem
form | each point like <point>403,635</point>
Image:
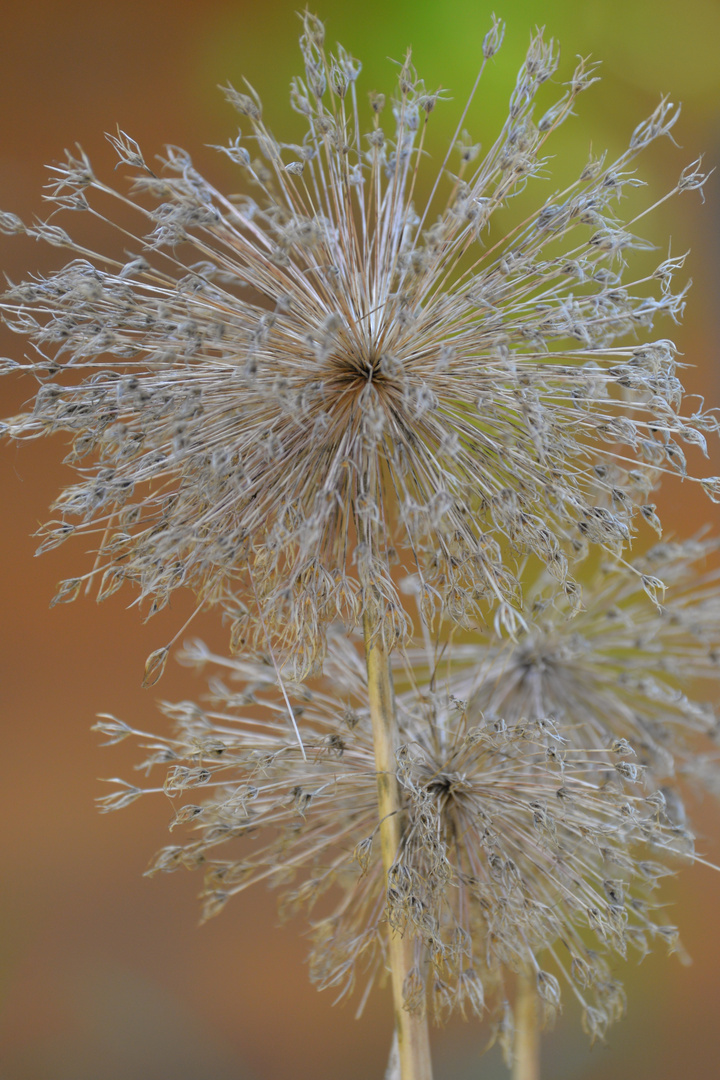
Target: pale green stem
<point>411,1027</point>
<point>526,1051</point>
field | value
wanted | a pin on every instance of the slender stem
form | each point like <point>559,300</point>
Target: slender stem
<point>526,1056</point>
<point>411,1028</point>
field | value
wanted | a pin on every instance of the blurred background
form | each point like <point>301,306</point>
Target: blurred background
<point>104,975</point>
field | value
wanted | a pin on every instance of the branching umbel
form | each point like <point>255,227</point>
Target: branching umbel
<point>297,399</point>
<point>512,843</point>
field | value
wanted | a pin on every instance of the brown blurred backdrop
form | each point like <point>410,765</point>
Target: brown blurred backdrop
<point>104,975</point>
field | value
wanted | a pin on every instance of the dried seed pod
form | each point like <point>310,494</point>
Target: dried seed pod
<point>262,367</point>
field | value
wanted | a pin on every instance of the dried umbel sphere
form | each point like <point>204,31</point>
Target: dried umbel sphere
<point>519,854</point>
<point>622,669</point>
<point>277,391</point>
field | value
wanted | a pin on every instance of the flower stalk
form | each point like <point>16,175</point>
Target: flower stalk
<point>526,1054</point>
<point>411,1027</point>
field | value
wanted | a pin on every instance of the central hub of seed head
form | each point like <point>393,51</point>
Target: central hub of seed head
<point>356,371</point>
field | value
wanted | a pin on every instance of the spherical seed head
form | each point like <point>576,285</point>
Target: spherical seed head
<point>513,858</point>
<point>276,393</point>
<point>624,672</point>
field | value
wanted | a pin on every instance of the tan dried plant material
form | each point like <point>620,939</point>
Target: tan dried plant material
<point>519,853</point>
<point>278,391</point>
<point>622,672</point>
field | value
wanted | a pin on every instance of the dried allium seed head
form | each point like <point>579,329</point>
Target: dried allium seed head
<point>512,858</point>
<point>275,391</point>
<point>623,673</point>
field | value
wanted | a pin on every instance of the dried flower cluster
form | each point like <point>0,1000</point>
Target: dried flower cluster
<point>621,669</point>
<point>515,842</point>
<point>290,400</point>
<point>276,392</point>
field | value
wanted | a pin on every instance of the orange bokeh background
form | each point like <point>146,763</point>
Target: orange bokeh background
<point>104,975</point>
